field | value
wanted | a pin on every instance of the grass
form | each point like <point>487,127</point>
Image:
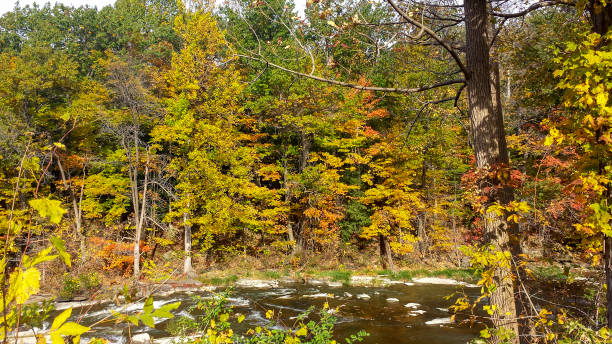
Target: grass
<point>344,275</point>
<point>272,274</point>
<point>550,273</point>
<point>220,280</point>
<point>337,275</point>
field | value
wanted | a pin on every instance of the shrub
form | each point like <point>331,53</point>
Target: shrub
<point>74,285</point>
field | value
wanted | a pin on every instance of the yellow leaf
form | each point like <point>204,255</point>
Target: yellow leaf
<point>61,318</point>
<point>56,338</point>
<point>72,329</point>
<point>24,284</point>
<point>302,331</point>
<point>48,208</point>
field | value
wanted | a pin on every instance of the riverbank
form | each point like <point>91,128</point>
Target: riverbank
<point>217,278</point>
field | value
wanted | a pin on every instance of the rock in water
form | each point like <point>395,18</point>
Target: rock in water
<point>252,283</point>
<point>438,321</point>
<point>141,338</point>
<point>412,305</point>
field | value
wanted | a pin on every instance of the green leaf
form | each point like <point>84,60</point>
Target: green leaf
<point>41,257</point>
<point>48,208</point>
<point>147,319</point>
<point>72,329</point>
<point>60,319</point>
<point>148,305</point>
<point>164,311</point>
<point>133,319</point>
<point>60,247</point>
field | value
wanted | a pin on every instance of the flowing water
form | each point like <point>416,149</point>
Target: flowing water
<point>397,314</point>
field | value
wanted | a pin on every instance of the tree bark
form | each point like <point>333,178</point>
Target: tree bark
<point>76,208</point>
<point>490,149</point>
<point>385,253</point>
<point>140,219</point>
<point>187,268</point>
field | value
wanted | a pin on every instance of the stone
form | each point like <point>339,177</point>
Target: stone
<point>141,338</point>
<point>412,305</point>
<point>438,321</point>
<point>446,281</point>
<point>252,283</point>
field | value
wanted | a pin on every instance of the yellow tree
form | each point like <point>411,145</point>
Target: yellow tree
<point>213,161</point>
<point>585,73</point>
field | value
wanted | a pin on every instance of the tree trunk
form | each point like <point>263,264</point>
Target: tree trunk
<point>489,144</point>
<point>140,219</point>
<point>290,235</point>
<point>421,219</point>
<point>386,259</point>
<point>305,151</point>
<point>600,15</point>
<point>76,208</point>
<point>187,268</point>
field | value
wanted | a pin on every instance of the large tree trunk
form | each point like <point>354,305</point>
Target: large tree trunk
<point>601,21</point>
<point>490,149</point>
<point>385,253</point>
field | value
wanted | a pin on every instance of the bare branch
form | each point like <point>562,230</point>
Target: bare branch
<point>418,114</point>
<point>532,8</point>
<point>355,86</point>
<point>432,34</point>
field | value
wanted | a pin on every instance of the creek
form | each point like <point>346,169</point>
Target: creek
<point>398,313</point>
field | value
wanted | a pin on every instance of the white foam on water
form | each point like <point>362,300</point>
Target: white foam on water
<point>320,295</point>
<point>412,305</point>
<point>285,297</point>
<point>238,301</point>
<point>417,312</point>
<point>438,321</point>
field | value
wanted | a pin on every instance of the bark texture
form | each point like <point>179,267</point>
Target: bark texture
<point>490,149</point>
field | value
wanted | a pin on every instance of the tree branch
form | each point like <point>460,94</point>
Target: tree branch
<point>432,34</point>
<point>355,86</point>
<point>532,8</point>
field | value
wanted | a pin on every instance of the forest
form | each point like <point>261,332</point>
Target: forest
<point>203,143</point>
